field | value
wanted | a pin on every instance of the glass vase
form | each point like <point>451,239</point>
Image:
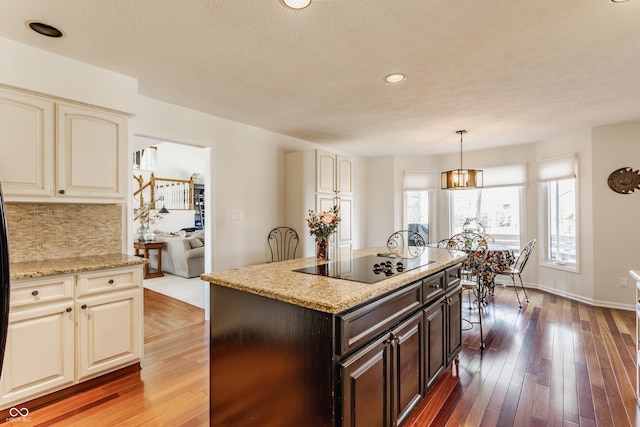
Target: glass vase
<point>322,250</point>
<point>141,232</point>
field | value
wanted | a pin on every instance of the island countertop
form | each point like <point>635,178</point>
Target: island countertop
<point>278,281</point>
<point>31,269</point>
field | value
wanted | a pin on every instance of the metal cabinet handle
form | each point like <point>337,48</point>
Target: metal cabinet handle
<point>111,281</point>
<point>61,191</point>
<point>35,293</point>
<point>83,306</point>
<point>69,309</point>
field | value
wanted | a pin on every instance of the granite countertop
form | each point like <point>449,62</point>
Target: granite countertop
<point>277,280</point>
<point>30,269</point>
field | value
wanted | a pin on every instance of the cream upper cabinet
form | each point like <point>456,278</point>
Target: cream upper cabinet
<point>26,145</point>
<point>90,153</point>
<point>344,175</point>
<point>57,152</point>
<point>334,173</point>
<point>317,179</point>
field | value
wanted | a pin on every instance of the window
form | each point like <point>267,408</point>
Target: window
<point>418,185</point>
<point>498,209</point>
<point>417,212</point>
<point>561,222</point>
<point>558,179</point>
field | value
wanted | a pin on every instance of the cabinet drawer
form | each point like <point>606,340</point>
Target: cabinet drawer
<point>357,327</point>
<point>110,280</point>
<point>434,287</point>
<point>33,291</point>
<point>452,276</point>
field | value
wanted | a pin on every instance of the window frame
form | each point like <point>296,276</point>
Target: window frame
<point>430,211</point>
<point>545,214</point>
<point>522,217</point>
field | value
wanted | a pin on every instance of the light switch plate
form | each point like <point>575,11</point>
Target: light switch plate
<point>237,215</point>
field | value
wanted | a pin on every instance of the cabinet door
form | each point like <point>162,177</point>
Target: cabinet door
<point>435,342</point>
<point>325,172</point>
<point>366,386</point>
<point>109,332</point>
<point>408,366</point>
<point>90,153</point>
<point>26,145</point>
<point>39,356</point>
<point>344,178</point>
<point>454,324</point>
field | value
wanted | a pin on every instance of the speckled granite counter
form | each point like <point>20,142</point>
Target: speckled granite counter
<point>279,281</point>
<point>26,270</point>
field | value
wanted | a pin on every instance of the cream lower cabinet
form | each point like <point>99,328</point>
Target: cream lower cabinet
<point>65,329</point>
<point>107,332</point>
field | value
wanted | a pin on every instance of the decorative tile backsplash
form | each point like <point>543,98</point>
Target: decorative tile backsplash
<point>43,231</point>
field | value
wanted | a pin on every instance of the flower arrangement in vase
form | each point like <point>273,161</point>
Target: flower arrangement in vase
<point>146,216</point>
<point>322,225</point>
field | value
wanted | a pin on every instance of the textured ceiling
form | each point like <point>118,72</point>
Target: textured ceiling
<point>507,71</point>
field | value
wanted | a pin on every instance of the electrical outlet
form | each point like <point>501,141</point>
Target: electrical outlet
<point>622,282</point>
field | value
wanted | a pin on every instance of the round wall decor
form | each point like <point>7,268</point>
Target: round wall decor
<point>624,180</point>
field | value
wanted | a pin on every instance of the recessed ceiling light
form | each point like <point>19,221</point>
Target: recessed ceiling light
<point>45,29</point>
<point>296,4</point>
<point>394,77</point>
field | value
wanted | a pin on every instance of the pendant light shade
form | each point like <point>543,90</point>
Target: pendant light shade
<point>459,179</point>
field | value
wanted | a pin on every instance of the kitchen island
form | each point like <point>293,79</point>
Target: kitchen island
<point>292,348</point>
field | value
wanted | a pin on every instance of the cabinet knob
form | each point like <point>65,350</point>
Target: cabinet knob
<point>35,293</point>
<point>61,191</point>
<point>111,281</point>
<point>68,310</point>
<point>83,306</point>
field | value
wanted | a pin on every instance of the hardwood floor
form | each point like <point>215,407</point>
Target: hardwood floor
<point>172,389</point>
<point>556,362</point>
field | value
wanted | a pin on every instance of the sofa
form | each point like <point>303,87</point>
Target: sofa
<point>181,256</point>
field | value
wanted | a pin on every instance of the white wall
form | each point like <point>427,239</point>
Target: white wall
<point>615,216</point>
<point>38,70</point>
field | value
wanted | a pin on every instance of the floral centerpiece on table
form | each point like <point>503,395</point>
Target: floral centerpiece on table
<point>146,216</point>
<point>322,225</point>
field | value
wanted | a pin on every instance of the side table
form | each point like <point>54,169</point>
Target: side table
<point>146,247</point>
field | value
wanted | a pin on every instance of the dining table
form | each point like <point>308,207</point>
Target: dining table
<point>499,259</point>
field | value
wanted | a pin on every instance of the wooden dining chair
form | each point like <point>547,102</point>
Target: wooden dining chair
<point>518,267</point>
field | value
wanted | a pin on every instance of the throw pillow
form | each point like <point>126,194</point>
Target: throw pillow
<point>195,243</point>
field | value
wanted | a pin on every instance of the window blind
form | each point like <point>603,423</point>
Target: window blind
<point>420,180</point>
<point>505,176</point>
<point>557,168</point>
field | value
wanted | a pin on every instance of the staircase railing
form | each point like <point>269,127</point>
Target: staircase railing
<point>176,194</point>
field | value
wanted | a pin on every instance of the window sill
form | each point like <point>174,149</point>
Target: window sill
<point>571,268</point>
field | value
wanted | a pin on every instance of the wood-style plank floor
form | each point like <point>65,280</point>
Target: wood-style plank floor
<point>556,362</point>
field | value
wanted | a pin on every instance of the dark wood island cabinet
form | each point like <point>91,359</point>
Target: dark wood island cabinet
<point>315,351</point>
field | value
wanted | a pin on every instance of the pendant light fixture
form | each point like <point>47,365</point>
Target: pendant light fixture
<point>460,179</point>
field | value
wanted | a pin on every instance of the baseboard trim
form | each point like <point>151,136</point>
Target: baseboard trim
<point>578,298</point>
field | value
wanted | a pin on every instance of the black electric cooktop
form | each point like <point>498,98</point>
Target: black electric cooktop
<point>368,269</point>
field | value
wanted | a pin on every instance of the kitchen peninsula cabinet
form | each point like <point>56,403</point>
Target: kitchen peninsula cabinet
<point>60,152</point>
<point>290,348</point>
<point>67,328</point>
